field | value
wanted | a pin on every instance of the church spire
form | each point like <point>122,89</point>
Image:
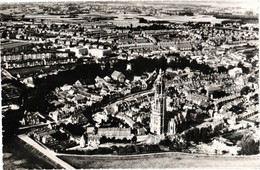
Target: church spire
<point>157,121</point>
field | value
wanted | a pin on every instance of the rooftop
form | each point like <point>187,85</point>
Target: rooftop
<point>13,44</point>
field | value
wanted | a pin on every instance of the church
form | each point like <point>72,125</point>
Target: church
<point>159,124</point>
<point>157,120</point>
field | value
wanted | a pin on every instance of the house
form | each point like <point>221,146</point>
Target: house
<point>117,133</point>
<point>55,116</point>
<point>96,97</point>
<point>80,51</point>
<point>248,123</point>
<point>220,51</point>
<point>79,99</point>
<point>172,127</point>
<point>28,82</point>
<point>78,84</point>
<point>99,53</point>
<point>93,141</point>
<point>235,71</point>
<point>66,87</point>
<point>107,79</point>
<point>58,115</point>
<point>100,116</point>
<point>140,129</point>
<point>78,118</point>
<point>197,99</point>
<point>82,142</point>
<point>126,119</point>
<point>111,110</point>
<point>14,47</point>
<point>90,130</point>
<point>211,88</point>
<point>39,133</point>
<point>116,75</point>
<point>184,46</point>
<point>47,139</point>
<point>187,70</point>
<point>31,118</point>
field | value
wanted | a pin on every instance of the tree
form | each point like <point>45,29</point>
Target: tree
<point>134,139</point>
<point>11,122</point>
<point>124,140</point>
<point>4,34</point>
<point>251,79</point>
<point>103,139</point>
<point>245,69</point>
<point>249,145</point>
<point>245,90</point>
<point>166,142</point>
<point>222,69</point>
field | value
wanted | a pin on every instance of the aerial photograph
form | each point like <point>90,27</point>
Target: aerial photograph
<point>130,84</point>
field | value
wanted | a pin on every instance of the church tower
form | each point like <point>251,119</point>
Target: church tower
<point>157,120</point>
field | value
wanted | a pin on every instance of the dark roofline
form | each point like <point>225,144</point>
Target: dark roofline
<point>13,44</point>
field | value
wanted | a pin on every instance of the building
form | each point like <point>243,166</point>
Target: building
<point>47,139</point>
<point>157,121</point>
<point>13,47</point>
<point>30,118</point>
<point>117,133</point>
<point>45,132</point>
<point>82,142</point>
<point>220,51</point>
<point>80,51</point>
<point>116,75</point>
<point>126,119</point>
<point>175,122</point>
<point>93,141</point>
<point>99,53</point>
<point>235,71</point>
<point>172,126</point>
<point>78,118</point>
<point>246,123</point>
<point>211,88</point>
<point>184,46</point>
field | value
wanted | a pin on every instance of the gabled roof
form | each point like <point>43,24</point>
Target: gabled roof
<point>116,74</point>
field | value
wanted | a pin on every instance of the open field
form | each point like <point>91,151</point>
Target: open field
<point>166,160</point>
<point>17,154</point>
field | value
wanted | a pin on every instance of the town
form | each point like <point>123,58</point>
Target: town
<point>116,78</point>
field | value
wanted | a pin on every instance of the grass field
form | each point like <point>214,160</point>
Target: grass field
<point>18,155</point>
<point>172,160</point>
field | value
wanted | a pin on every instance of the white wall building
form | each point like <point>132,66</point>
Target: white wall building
<point>99,53</point>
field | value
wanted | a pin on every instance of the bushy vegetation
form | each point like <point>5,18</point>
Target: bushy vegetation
<point>104,139</point>
<point>249,144</point>
<point>119,150</point>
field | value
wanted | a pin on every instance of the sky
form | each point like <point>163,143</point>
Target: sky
<point>217,3</point>
<point>174,1</point>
